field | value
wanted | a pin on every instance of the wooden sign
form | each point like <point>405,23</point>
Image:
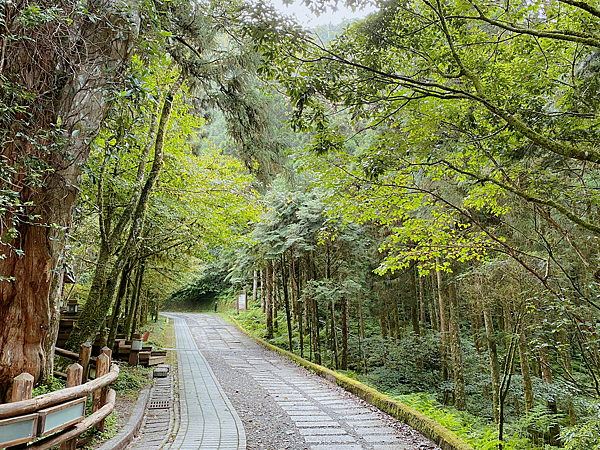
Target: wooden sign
<point>242,303</point>
<point>18,430</point>
<point>60,416</point>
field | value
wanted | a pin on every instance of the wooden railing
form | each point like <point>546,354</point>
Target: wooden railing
<point>58,417</point>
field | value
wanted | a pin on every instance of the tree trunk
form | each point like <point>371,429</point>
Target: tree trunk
<point>268,301</point>
<point>335,346</point>
<point>422,301</point>
<point>395,329</point>
<point>274,295</point>
<point>262,290</point>
<point>565,355</point>
<point>443,331</point>
<point>546,369</point>
<point>254,286</point>
<point>362,331</point>
<point>525,371</point>
<point>116,313</point>
<point>345,316</point>
<point>52,334</point>
<point>433,305</point>
<point>68,86</point>
<point>97,306</point>
<point>493,354</point>
<point>414,315</point>
<point>284,283</point>
<point>299,308</point>
<point>460,398</point>
<point>132,319</point>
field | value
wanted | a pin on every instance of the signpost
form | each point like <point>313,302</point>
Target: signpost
<point>242,301</point>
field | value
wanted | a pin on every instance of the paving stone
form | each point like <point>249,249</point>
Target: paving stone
<point>344,438</point>
<point>318,431</point>
<point>337,447</point>
<point>324,423</point>
<point>298,403</point>
<point>373,430</point>
<point>393,447</point>
<point>307,413</point>
<point>324,418</point>
<point>355,417</point>
<point>364,423</point>
<point>345,411</point>
<point>381,439</point>
<point>299,407</point>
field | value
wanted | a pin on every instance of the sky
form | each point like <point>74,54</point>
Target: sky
<point>306,18</point>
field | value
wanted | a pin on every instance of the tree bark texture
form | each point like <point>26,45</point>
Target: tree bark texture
<point>66,68</point>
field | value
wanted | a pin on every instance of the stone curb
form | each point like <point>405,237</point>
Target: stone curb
<point>439,434</point>
<point>130,430</point>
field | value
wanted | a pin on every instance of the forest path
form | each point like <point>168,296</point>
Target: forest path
<point>281,405</point>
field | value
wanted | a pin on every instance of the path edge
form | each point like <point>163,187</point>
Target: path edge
<point>439,434</point>
<point>131,429</point>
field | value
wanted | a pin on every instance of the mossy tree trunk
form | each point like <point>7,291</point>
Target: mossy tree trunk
<point>65,90</point>
<point>98,305</point>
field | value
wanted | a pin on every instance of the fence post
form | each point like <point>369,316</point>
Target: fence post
<point>84,359</point>
<point>74,378</point>
<point>22,387</point>
<point>102,368</point>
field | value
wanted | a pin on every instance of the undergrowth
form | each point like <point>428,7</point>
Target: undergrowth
<point>131,380</point>
<point>478,431</point>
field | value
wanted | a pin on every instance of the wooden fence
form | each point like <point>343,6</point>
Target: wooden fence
<point>58,418</point>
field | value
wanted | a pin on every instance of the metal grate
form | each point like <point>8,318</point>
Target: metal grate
<point>163,403</point>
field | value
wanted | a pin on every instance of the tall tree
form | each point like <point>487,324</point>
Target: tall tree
<point>57,64</point>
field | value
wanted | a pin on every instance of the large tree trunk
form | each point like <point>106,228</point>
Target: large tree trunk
<point>65,68</point>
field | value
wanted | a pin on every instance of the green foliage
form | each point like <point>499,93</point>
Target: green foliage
<point>56,384</point>
<point>210,281</point>
<point>473,430</point>
<point>131,379</point>
<point>584,436</point>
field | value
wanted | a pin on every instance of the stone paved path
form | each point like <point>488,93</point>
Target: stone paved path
<point>207,420</point>
<point>322,416</point>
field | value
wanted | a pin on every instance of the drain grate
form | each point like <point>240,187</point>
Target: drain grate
<point>163,403</point>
